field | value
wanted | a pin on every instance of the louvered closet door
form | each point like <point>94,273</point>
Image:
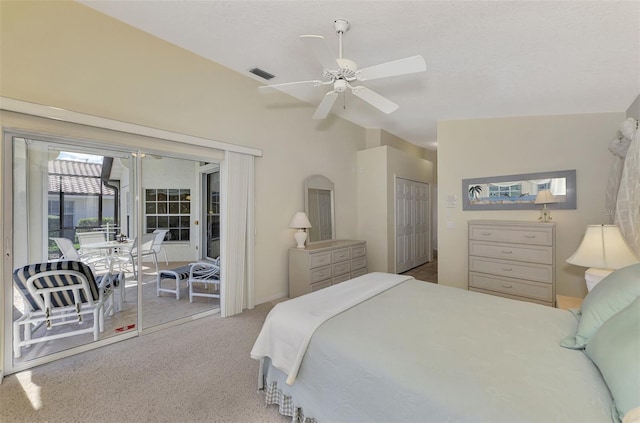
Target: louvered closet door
<point>413,232</point>
<point>405,226</point>
<point>422,233</point>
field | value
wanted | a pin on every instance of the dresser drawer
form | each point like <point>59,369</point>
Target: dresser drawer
<point>319,259</point>
<point>341,255</point>
<point>320,285</point>
<point>320,274</point>
<point>359,272</point>
<point>358,263</point>
<point>533,254</point>
<point>341,278</point>
<point>532,236</point>
<point>520,288</point>
<point>341,268</point>
<point>512,269</point>
<point>358,251</point>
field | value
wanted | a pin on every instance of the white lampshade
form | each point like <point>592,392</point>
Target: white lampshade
<point>603,247</point>
<point>300,221</point>
<point>545,197</point>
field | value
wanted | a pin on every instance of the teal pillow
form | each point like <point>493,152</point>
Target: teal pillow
<point>609,296</point>
<point>615,349</point>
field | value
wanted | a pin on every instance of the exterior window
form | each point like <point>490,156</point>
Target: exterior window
<point>544,186</point>
<point>505,191</point>
<point>169,209</point>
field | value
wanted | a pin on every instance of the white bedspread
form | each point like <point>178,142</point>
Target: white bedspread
<point>284,339</point>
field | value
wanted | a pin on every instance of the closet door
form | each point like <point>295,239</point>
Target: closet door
<point>405,225</point>
<point>413,232</point>
<point>422,232</point>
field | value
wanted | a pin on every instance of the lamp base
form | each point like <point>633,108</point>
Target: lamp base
<point>594,275</point>
<point>301,237</point>
<point>545,214</point>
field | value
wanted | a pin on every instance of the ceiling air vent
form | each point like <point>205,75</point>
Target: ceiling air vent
<point>262,74</point>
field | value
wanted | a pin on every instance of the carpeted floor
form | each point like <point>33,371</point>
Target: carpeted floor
<point>196,372</point>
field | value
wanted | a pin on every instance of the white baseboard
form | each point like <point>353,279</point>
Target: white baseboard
<point>280,296</point>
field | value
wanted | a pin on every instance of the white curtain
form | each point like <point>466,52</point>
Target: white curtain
<point>626,192</point>
<point>237,231</point>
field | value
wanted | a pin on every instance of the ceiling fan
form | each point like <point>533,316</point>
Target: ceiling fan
<point>340,73</point>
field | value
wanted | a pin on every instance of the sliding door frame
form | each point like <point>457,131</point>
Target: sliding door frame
<point>16,117</point>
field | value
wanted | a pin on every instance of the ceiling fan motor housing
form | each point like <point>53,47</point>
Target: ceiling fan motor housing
<point>348,68</point>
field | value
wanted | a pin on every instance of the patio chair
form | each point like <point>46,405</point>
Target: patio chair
<point>94,237</point>
<point>61,294</point>
<point>157,243</point>
<point>146,250</point>
<point>207,274</point>
<point>69,252</point>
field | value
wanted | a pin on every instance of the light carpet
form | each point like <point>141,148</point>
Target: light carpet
<point>196,372</point>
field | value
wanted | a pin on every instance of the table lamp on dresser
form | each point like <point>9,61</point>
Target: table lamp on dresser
<point>545,197</point>
<point>602,250</point>
<point>300,222</point>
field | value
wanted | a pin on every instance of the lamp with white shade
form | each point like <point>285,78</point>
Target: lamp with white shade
<point>603,250</point>
<point>300,222</point>
<point>545,197</point>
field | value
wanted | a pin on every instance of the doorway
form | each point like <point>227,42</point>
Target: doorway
<point>211,211</point>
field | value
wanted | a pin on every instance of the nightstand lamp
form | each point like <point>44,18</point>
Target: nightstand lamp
<point>603,250</point>
<point>300,222</point>
<point>545,197</point>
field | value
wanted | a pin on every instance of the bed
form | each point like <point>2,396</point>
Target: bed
<point>411,351</point>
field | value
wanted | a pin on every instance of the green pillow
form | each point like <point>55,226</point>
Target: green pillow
<point>609,296</point>
<point>615,349</point>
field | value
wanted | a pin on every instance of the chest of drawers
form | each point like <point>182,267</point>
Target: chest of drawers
<point>324,264</point>
<point>514,259</point>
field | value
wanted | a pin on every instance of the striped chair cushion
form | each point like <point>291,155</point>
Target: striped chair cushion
<point>61,298</point>
<point>182,272</point>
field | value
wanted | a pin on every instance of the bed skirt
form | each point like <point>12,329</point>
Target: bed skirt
<point>286,404</point>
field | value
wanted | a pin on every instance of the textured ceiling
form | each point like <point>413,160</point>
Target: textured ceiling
<point>484,58</point>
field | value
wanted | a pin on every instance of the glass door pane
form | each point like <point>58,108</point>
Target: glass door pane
<point>169,242</point>
<point>63,194</point>
<point>213,214</point>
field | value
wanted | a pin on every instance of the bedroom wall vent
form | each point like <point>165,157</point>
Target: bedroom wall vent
<point>261,73</point>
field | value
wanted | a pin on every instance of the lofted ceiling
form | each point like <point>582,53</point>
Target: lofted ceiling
<point>484,58</point>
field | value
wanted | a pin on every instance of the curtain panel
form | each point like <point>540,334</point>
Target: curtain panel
<point>237,226</point>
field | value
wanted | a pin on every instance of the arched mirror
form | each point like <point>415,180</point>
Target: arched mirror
<point>319,206</point>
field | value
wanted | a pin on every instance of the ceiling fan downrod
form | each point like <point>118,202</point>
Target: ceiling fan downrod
<point>341,26</point>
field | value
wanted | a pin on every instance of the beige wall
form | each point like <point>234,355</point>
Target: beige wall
<point>66,55</point>
<point>492,147</point>
<point>377,169</point>
<point>634,110</point>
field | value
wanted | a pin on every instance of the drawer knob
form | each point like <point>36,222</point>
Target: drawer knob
<point>506,285</point>
<point>507,252</point>
<point>507,269</point>
<point>529,236</point>
<point>486,233</point>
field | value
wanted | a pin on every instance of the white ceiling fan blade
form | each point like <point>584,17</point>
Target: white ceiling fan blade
<point>274,87</point>
<point>397,67</point>
<point>325,105</point>
<point>375,99</point>
<point>320,51</point>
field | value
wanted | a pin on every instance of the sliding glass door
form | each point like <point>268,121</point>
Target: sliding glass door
<point>62,194</point>
<point>130,219</point>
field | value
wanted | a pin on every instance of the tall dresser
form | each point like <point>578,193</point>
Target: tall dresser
<point>513,259</point>
<point>324,264</point>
